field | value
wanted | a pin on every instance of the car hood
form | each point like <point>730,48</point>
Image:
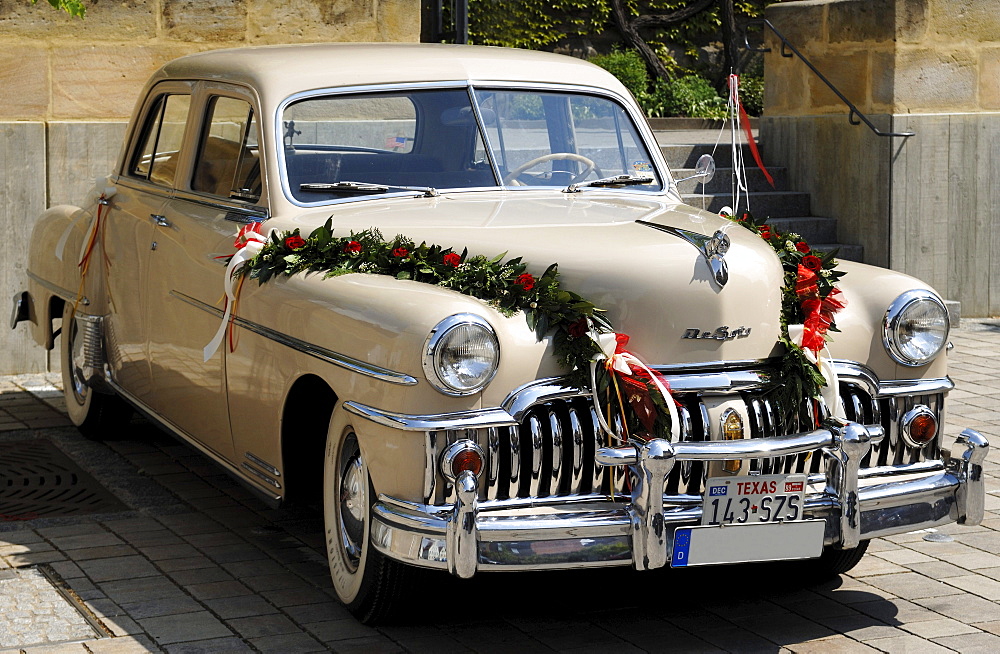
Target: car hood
<point>656,286</point>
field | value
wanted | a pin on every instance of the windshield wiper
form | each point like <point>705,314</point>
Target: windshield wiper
<point>363,188</point>
<point>617,180</point>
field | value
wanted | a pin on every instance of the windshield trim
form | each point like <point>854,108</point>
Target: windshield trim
<point>641,125</point>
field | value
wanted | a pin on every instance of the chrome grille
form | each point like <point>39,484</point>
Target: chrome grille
<point>551,452</point>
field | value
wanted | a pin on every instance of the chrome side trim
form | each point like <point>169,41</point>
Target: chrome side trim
<point>915,386</point>
<point>322,353</point>
<point>252,213</point>
<point>479,419</point>
<point>262,463</point>
<point>259,475</point>
<point>69,296</point>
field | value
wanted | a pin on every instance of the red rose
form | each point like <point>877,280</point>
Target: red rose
<point>765,232</point>
<point>812,262</point>
<point>802,247</point>
<point>525,281</point>
<point>400,252</point>
<point>578,328</point>
<point>295,242</point>
<point>452,259</point>
<point>745,217</point>
<point>353,247</point>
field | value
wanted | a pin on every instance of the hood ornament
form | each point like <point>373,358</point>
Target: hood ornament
<point>713,248</point>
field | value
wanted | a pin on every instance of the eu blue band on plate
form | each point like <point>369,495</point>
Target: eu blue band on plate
<point>682,543</point>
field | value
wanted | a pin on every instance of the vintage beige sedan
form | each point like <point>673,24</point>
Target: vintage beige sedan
<point>437,430</point>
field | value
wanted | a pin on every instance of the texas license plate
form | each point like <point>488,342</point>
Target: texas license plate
<point>754,499</point>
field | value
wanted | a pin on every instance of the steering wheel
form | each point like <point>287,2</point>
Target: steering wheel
<point>589,166</point>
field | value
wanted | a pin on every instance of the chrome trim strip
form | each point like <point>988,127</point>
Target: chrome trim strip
<point>915,386</point>
<point>321,353</point>
<point>69,296</point>
<point>259,475</point>
<point>257,213</point>
<point>262,463</point>
<point>479,419</point>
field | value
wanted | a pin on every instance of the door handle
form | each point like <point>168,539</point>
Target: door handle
<point>160,220</point>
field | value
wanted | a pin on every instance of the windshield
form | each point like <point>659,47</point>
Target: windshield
<point>337,146</point>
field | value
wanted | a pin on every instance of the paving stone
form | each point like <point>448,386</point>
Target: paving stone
<point>288,644</point>
<point>232,645</point>
<point>964,608</point>
<point>137,644</point>
<point>217,589</point>
<point>972,643</point>
<point>125,567</point>
<point>240,607</point>
<point>185,627</point>
<point>263,625</point>
<point>908,645</point>
<point>831,645</point>
<point>910,585</point>
<point>163,606</point>
<point>135,590</point>
<point>938,628</point>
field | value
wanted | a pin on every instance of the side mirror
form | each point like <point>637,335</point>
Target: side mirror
<point>705,169</point>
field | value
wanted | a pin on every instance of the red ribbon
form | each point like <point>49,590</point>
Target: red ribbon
<point>745,122</point>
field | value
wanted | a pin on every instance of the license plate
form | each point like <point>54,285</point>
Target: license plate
<point>753,500</point>
<point>760,541</point>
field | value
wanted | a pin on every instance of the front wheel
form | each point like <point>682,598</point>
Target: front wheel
<point>96,415</point>
<point>835,562</point>
<point>366,582</point>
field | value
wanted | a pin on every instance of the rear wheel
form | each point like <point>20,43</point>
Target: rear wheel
<point>96,415</point>
<point>366,582</point>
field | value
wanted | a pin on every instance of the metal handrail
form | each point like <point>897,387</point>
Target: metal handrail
<point>854,115</point>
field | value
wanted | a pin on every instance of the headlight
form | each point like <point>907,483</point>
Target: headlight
<point>915,328</point>
<point>461,354</point>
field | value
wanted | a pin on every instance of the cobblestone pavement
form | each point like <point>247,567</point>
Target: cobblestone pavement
<point>197,564</point>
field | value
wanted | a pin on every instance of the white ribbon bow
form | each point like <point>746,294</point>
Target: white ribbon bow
<point>831,392</point>
<point>254,244</point>
<point>620,362</point>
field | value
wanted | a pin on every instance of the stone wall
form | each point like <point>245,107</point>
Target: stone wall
<point>69,85</point>
<point>920,204</point>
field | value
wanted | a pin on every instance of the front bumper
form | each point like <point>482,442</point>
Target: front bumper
<point>465,537</point>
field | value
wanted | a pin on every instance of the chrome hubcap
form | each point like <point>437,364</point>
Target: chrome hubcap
<point>353,502</point>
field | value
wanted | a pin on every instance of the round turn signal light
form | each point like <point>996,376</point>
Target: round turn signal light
<point>467,460</point>
<point>461,456</point>
<point>919,426</point>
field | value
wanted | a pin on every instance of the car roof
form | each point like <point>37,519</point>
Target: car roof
<point>279,71</point>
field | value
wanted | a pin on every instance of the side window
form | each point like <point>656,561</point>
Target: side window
<point>228,163</point>
<point>163,133</point>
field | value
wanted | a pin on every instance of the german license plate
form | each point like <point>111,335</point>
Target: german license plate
<point>754,499</point>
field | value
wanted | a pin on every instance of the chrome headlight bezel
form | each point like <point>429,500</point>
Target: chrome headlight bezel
<point>897,315</point>
<point>436,343</point>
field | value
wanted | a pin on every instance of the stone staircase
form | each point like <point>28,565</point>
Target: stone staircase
<point>787,210</point>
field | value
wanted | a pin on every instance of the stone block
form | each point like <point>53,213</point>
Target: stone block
<point>122,20</point>
<point>785,91</point>
<point>103,81</point>
<point>989,79</point>
<point>802,23</point>
<point>861,21</point>
<point>22,171</point>
<point>25,82</point>
<point>398,20</point>
<point>927,80</point>
<point>78,153</point>
<point>849,72</point>
<point>284,21</point>
<point>965,20</point>
<point>911,20</point>
<point>205,20</point>
<point>883,89</point>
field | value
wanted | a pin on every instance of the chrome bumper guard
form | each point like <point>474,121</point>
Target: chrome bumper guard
<point>591,531</point>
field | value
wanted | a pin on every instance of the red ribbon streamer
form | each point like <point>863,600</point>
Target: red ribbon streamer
<point>745,121</point>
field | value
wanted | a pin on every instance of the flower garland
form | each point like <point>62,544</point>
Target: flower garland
<point>809,300</point>
<point>629,395</point>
